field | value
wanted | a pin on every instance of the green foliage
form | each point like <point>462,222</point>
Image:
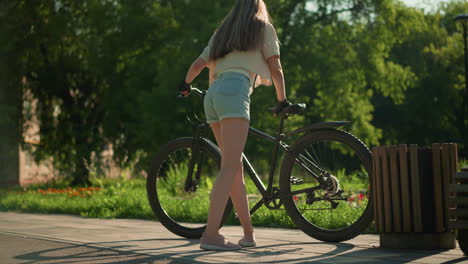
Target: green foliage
<point>430,110</point>
<point>105,71</point>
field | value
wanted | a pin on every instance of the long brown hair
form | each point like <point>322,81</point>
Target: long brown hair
<point>242,29</point>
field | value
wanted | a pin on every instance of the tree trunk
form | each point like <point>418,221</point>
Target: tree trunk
<point>81,175</point>
<point>9,106</point>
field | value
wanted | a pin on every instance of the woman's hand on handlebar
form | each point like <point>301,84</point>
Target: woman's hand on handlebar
<point>280,106</point>
<point>184,88</point>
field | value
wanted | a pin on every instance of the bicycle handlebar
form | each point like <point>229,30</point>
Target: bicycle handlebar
<point>288,111</point>
<point>193,90</point>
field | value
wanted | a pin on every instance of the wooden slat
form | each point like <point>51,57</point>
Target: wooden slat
<point>387,191</point>
<point>380,194</point>
<point>459,224</point>
<point>462,175</point>
<point>415,194</point>
<point>396,193</point>
<point>453,171</point>
<point>458,188</point>
<point>451,180</point>
<point>452,224</point>
<point>446,171</point>
<point>438,187</point>
<point>454,162</point>
<point>380,197</point>
<point>458,212</point>
<point>458,200</point>
<point>405,188</point>
<point>375,190</point>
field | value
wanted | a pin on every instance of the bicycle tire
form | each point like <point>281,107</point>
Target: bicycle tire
<point>292,202</point>
<point>159,170</point>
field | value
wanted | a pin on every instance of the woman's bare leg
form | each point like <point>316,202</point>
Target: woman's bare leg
<point>239,199</point>
<point>238,192</point>
<point>233,135</point>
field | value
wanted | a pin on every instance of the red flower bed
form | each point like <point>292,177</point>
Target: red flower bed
<point>82,192</point>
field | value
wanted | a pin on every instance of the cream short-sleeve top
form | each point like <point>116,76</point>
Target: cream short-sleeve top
<point>251,63</point>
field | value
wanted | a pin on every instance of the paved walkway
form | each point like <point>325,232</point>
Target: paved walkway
<point>37,238</point>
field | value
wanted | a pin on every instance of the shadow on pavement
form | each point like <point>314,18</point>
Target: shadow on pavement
<point>157,251</point>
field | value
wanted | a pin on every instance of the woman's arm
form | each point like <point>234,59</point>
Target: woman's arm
<point>274,64</point>
<point>197,66</point>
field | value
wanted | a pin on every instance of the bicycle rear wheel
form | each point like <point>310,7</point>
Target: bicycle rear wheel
<point>180,196</point>
<point>340,207</point>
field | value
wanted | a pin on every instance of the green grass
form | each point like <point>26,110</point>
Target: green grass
<point>463,163</point>
<point>114,199</point>
<point>128,199</point>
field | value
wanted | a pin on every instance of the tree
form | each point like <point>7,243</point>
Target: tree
<point>430,110</point>
<point>105,71</point>
<point>9,105</point>
<point>50,44</point>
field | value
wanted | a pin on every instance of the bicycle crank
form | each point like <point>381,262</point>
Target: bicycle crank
<point>192,186</point>
<point>273,201</point>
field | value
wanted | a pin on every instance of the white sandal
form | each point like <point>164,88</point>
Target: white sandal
<point>227,246</point>
<point>246,243</point>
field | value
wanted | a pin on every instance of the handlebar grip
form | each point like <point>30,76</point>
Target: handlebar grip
<point>192,90</point>
<point>198,91</point>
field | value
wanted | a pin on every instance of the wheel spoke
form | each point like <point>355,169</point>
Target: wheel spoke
<point>183,212</point>
<point>304,161</point>
<point>349,162</point>
<point>315,154</point>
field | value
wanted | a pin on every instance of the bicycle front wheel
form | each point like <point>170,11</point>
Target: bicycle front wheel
<point>325,185</point>
<point>179,184</point>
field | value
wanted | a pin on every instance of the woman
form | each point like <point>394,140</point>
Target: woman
<point>243,53</point>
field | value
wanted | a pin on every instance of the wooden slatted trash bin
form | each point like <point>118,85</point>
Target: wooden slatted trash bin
<point>411,189</point>
<point>459,210</point>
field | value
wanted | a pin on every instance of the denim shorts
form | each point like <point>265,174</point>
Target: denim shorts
<point>228,97</point>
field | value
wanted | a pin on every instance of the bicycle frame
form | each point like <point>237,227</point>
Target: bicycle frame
<point>268,193</point>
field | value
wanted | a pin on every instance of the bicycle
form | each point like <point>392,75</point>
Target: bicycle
<point>324,179</point>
